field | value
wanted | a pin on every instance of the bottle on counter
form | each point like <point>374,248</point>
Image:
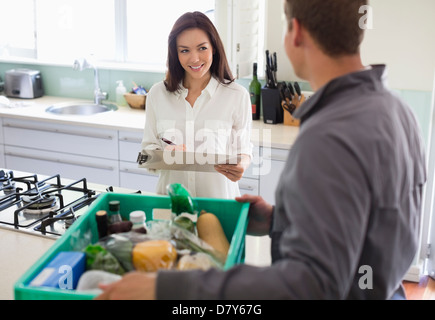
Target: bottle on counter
<point>255,92</point>
<point>114,212</point>
<point>138,219</point>
<point>120,91</point>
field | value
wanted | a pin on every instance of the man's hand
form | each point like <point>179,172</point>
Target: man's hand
<point>133,286</point>
<point>260,214</point>
<point>234,172</point>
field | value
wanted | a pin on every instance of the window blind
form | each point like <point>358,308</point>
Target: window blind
<point>247,36</point>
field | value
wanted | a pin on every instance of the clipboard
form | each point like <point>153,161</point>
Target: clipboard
<point>183,161</point>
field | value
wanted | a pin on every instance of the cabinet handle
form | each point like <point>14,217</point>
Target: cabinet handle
<point>246,187</point>
<point>141,172</point>
<point>275,156</point>
<point>93,135</point>
<point>74,163</point>
<point>134,140</point>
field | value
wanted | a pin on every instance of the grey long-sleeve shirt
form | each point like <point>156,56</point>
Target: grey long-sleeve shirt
<point>348,204</point>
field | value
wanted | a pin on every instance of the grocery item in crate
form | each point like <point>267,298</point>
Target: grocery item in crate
<point>152,255</point>
<point>210,230</point>
<point>90,280</point>
<point>163,247</point>
<point>181,201</point>
<point>63,272</point>
<point>99,258</point>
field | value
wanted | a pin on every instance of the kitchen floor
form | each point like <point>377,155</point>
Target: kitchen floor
<point>424,290</point>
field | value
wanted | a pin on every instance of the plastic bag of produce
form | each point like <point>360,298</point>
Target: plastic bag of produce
<point>181,201</point>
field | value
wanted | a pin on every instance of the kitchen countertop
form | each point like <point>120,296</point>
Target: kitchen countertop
<point>126,118</point>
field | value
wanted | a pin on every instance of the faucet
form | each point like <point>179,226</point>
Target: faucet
<point>82,64</point>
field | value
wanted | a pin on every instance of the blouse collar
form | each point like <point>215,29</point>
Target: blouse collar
<point>210,88</point>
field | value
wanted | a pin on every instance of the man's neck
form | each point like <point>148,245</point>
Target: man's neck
<point>323,68</point>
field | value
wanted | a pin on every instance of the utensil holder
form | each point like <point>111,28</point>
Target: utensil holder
<point>272,110</point>
<point>289,120</point>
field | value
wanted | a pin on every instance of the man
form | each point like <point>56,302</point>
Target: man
<point>346,220</point>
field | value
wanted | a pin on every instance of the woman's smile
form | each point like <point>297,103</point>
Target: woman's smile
<point>197,68</point>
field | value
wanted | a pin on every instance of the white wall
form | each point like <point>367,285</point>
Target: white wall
<point>403,37</point>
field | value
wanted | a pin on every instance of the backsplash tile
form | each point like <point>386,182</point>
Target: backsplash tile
<point>67,82</point>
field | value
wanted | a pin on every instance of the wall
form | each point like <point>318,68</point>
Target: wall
<point>401,38</point>
<point>66,82</point>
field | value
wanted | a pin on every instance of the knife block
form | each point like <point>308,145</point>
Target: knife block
<point>272,110</point>
<point>289,120</point>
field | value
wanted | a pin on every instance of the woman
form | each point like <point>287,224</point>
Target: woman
<point>199,108</point>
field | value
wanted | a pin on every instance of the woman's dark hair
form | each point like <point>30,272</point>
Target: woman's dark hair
<point>334,24</point>
<point>219,68</point>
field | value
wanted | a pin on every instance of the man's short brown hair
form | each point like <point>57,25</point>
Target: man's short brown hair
<point>333,24</point>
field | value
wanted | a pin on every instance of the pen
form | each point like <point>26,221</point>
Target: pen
<point>168,141</point>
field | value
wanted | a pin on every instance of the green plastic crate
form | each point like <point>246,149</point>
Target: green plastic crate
<point>232,215</point>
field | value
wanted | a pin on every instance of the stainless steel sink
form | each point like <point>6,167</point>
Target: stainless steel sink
<point>82,109</point>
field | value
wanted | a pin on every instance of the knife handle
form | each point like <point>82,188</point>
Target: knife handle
<point>298,89</point>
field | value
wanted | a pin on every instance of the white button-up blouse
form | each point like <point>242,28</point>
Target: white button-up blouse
<point>219,122</point>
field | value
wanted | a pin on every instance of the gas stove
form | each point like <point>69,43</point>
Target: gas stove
<point>41,205</point>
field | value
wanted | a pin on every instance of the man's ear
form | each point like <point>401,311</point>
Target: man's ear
<point>296,32</point>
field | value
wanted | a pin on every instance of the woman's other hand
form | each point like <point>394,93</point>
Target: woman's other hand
<point>234,172</point>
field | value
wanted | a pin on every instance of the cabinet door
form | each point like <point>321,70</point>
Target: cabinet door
<point>129,145</point>
<point>95,170</point>
<point>2,156</point>
<point>273,161</point>
<point>132,177</point>
<point>2,150</point>
<point>70,139</point>
<point>248,186</point>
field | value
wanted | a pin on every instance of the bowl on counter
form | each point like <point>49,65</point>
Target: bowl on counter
<point>135,101</point>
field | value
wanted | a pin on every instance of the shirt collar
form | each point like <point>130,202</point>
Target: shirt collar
<point>210,88</point>
<point>374,78</point>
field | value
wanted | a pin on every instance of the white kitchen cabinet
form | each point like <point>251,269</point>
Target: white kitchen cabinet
<point>130,175</point>
<point>273,162</point>
<point>2,147</point>
<point>269,170</point>
<point>249,186</point>
<point>71,151</point>
<point>95,170</point>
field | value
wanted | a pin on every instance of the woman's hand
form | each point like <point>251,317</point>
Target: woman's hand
<point>179,147</point>
<point>234,172</point>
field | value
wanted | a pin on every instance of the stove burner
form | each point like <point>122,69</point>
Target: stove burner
<point>36,204</point>
<point>44,207</point>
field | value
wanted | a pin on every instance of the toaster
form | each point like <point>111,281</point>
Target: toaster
<point>23,83</point>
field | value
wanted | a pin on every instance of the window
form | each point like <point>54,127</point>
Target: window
<point>69,29</point>
<point>149,24</point>
<point>124,32</point>
<point>17,34</point>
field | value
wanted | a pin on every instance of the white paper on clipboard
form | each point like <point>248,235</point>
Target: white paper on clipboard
<point>185,161</point>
